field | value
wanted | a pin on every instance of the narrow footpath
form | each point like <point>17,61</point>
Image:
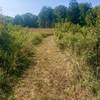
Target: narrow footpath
<point>51,78</point>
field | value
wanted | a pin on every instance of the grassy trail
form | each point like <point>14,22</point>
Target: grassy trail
<point>50,78</point>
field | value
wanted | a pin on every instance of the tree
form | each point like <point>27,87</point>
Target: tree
<point>97,13</point>
<point>73,12</point>
<point>26,20</point>
<point>1,17</point>
<point>29,20</point>
<point>84,8</point>
<point>18,20</point>
<point>93,16</point>
<point>46,17</point>
<point>8,19</point>
<point>60,13</point>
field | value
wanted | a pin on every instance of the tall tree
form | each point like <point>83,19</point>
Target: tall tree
<point>1,16</point>
<point>29,20</point>
<point>60,13</point>
<point>73,12</point>
<point>90,18</point>
<point>46,17</point>
<point>8,19</point>
<point>93,16</point>
<point>18,20</point>
<point>84,8</point>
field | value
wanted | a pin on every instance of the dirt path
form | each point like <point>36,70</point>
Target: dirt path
<point>50,78</point>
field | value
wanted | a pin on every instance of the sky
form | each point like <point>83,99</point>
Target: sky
<point>13,7</point>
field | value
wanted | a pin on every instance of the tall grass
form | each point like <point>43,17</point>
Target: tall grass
<point>16,54</point>
<point>83,42</point>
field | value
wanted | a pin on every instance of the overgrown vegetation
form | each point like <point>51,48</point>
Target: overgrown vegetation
<point>16,54</point>
<point>84,41</point>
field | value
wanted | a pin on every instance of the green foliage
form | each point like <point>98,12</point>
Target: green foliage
<point>84,42</point>
<point>77,13</point>
<point>30,20</point>
<point>60,13</point>
<point>18,20</point>
<point>74,12</point>
<point>84,8</point>
<point>81,40</point>
<point>26,20</point>
<point>90,18</point>
<point>8,19</point>
<point>46,17</point>
<point>16,54</point>
<point>93,16</point>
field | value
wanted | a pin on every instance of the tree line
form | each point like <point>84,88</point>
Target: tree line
<point>77,13</point>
